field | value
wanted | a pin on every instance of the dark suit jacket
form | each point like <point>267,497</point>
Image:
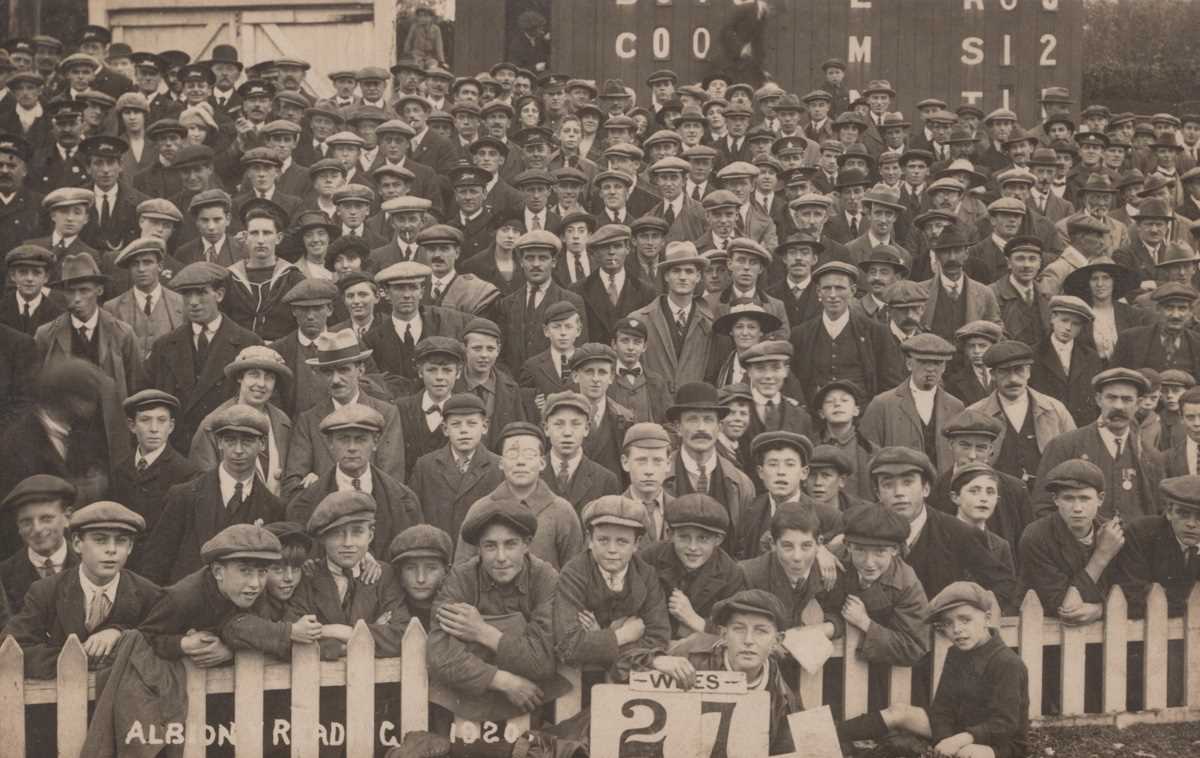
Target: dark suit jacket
<point>318,595</point>
<point>390,355</point>
<point>591,480</point>
<point>428,183</point>
<point>602,315</point>
<point>949,550</point>
<point>18,362</point>
<point>26,450</point>
<point>689,223</point>
<point>18,575</point>
<point>798,310</point>
<point>478,232</point>
<point>230,252</point>
<point>435,151</point>
<point>1133,348</point>
<point>143,492</point>
<point>878,353</point>
<point>194,513</point>
<point>1085,442</point>
<point>483,266</point>
<point>304,390</point>
<point>509,404</point>
<point>1075,391</point>
<point>436,480</point>
<point>49,309</point>
<point>1152,555</point>
<point>48,171</point>
<point>541,375</point>
<point>418,439</point>
<point>122,227</point>
<point>158,181</point>
<point>55,608</point>
<point>1013,512</point>
<point>289,203</point>
<point>77,246</point>
<point>525,329</point>
<point>170,368</point>
<point>396,506</point>
<point>20,220</point>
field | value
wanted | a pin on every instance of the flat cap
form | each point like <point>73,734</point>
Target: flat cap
<point>835,267</point>
<point>1072,306</point>
<point>902,460</point>
<point>928,346</point>
<point>845,385</point>
<point>1023,244</point>
<point>988,330</point>
<point>767,350</point>
<point>481,325</point>
<point>559,311</point>
<point>1112,375</point>
<point>290,533</point>
<point>402,272</point>
<point>646,434</point>
<point>966,473</point>
<point>194,155</point>
<point>240,417</point>
<point>875,525</point>
<point>1007,205</point>
<point>731,393</point>
<point>353,416</point>
<point>520,429</point>
<point>504,510</point>
<point>28,255</point>
<point>1174,292</point>
<point>1008,353</point>
<point>748,246</point>
<point>439,233</point>
<point>973,422</point>
<point>958,594</point>
<point>159,208</point>
<point>777,439</point>
<point>610,233</point>
<point>649,224</point>
<point>67,196</point>
<point>338,508</point>
<point>406,204</point>
<point>248,541</point>
<point>698,510</point>
<point>1181,491</point>
<point>106,514</point>
<point>831,456</point>
<point>149,398</point>
<point>630,325</point>
<point>757,602</point>
<point>421,541</point>
<point>590,352</point>
<point>1075,474</point>
<point>354,193</point>
<point>1176,378</point>
<point>719,199</point>
<point>199,275</point>
<point>538,239</point>
<point>39,488</point>
<point>572,400</point>
<point>617,510</point>
<point>438,345</point>
<point>311,291</point>
<point>463,404</point>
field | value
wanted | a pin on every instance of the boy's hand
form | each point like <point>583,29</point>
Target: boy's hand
<point>855,613</point>
<point>588,621</point>
<point>829,565</point>
<point>680,606</point>
<point>951,745</point>
<point>193,643</point>
<point>519,691</point>
<point>100,644</point>
<point>1110,538</point>
<point>462,621</point>
<point>1084,613</point>
<point>213,655</point>
<point>678,668</point>
<point>339,632</point>
<point>371,570</point>
<point>308,479</point>
<point>306,630</point>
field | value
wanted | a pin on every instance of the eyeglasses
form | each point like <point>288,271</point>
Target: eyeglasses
<point>526,456</point>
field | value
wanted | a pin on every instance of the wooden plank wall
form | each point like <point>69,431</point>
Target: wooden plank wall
<point>916,44</point>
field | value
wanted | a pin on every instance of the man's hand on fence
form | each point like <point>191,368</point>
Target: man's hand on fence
<point>100,644</point>
<point>519,691</point>
<point>678,668</point>
<point>306,630</point>
<point>1110,538</point>
<point>1083,613</point>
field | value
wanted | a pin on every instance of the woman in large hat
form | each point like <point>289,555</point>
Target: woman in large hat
<point>1102,284</point>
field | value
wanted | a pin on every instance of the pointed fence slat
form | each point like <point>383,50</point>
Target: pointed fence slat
<point>1156,649</point>
<point>571,703</point>
<point>1192,649</point>
<point>197,710</point>
<point>1072,671</point>
<point>1116,619</point>
<point>900,685</point>
<point>248,704</point>
<point>414,694</point>
<point>1029,642</point>
<point>306,700</point>
<point>855,675</point>
<point>12,696</point>
<point>72,698</point>
<point>360,691</point>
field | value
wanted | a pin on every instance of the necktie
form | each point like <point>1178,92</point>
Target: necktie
<point>46,569</point>
<point>148,308</point>
<point>722,243</point>
<point>26,317</point>
<point>613,293</point>
<point>105,211</point>
<point>83,333</point>
<point>854,225</point>
<point>463,465</point>
<point>264,458</point>
<point>771,414</point>
<point>408,338</point>
<point>356,483</point>
<point>1119,441</point>
<point>141,464</point>
<point>201,349</point>
<point>531,304</point>
<point>437,293</point>
<point>696,193</point>
<point>652,513</point>
<point>210,254</point>
<point>235,502</point>
<point>702,482</point>
<point>348,595</point>
<point>669,216</point>
<point>953,292</point>
<point>577,259</point>
<point>564,477</point>
<point>537,222</point>
<point>681,322</point>
<point>741,225</point>
<point>221,101</point>
<point>97,611</point>
<point>562,368</point>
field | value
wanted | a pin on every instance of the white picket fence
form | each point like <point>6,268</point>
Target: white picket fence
<point>251,675</point>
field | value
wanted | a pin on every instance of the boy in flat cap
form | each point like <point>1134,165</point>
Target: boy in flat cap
<point>422,555</point>
<point>965,719</point>
<point>233,493</point>
<point>550,370</point>
<point>1064,364</point>
<point>693,568</point>
<point>94,601</point>
<point>593,368</point>
<point>972,380</point>
<point>975,493</point>
<point>463,470</point>
<point>312,305</point>
<point>37,509</point>
<point>492,626</point>
<point>352,433</point>
<point>343,525</point>
<point>609,609</point>
<point>439,362</point>
<point>503,398</point>
<point>140,481</point>
<point>645,457</point>
<point>29,302</point>
<point>570,472</point>
<point>645,394</point>
<point>768,367</point>
<point>1110,442</point>
<point>838,406</point>
<point>523,454</point>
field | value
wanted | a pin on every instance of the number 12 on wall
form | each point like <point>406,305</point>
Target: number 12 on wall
<point>629,724</point>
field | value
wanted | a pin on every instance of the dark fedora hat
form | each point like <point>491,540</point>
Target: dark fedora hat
<point>696,396</point>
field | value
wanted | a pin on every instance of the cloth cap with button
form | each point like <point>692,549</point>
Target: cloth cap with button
<point>902,460</point>
<point>904,293</point>
<point>885,255</point>
<point>646,434</point>
<point>1008,354</point>
<point>28,255</point>
<point>573,400</point>
<point>340,508</point>
<point>875,526</point>
<point>947,183</point>
<point>503,510</point>
<point>538,239</point>
<point>617,510</point>
<point>559,311</point>
<point>748,246</point>
<point>590,352</point>
<point>973,422</point>
<point>1072,306</point>
<point>39,488</point>
<point>1176,378</point>
<point>311,292</point>
<point>395,126</point>
<point>777,439</point>
<point>1181,491</point>
<point>463,404</point>
<point>1129,376</point>
<point>64,197</point>
<point>767,322</point>
<point>755,602</point>
<point>481,325</point>
<point>259,357</point>
<point>569,176</point>
<point>264,156</point>
<point>337,348</point>
<point>1075,474</point>
<point>696,396</point>
<point>447,347</point>
<point>353,416</point>
<point>608,234</point>
<point>835,267</point>
<point>1174,292</point>
<point>141,246</point>
<point>106,514</point>
<point>767,350</point>
<point>738,170</point>
<point>149,398</point>
<point>630,325</point>
<point>698,152</point>
<point>649,224</point>
<point>664,137</point>
<point>439,233</point>
<point>421,541</point>
<point>247,541</point>
<point>404,271</point>
<point>240,417</point>
<point>159,208</point>
<point>831,456</point>
<point>958,594</point>
<point>966,473</point>
<point>698,510</point>
<point>198,276</point>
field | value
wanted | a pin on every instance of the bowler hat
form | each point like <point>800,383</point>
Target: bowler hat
<point>696,396</point>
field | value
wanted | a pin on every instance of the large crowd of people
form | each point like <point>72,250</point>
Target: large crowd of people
<point>579,382</point>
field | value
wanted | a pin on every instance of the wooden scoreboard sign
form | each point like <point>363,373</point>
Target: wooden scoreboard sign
<point>987,52</point>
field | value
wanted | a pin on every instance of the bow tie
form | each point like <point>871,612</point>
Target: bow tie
<point>433,409</point>
<point>630,371</point>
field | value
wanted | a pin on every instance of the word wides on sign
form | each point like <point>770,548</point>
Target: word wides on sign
<point>629,723</point>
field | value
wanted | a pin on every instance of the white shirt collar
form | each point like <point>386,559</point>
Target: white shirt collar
<point>346,482</point>
<point>693,466</point>
<point>400,324</point>
<point>149,458</point>
<point>56,239</point>
<point>90,323</point>
<point>916,525</point>
<point>1110,439</point>
<point>228,483</point>
<point>353,400</point>
<point>615,582</point>
<point>305,341</point>
<point>572,464</point>
<point>155,296</point>
<point>875,241</point>
<point>618,278</point>
<point>918,391</point>
<point>89,589</point>
<point>58,557</point>
<point>760,399</point>
<point>442,283</point>
<point>835,326</point>
<point>33,304</point>
<point>211,327</point>
<point>948,284</point>
<point>111,194</point>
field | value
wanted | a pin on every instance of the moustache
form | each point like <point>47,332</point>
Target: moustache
<point>700,436</point>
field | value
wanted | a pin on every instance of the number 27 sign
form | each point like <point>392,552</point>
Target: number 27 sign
<point>628,723</point>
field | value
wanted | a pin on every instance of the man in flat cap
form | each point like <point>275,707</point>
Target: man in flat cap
<point>972,380</point>
<point>161,180</point>
<point>684,215</point>
<point>568,421</point>
<point>233,493</point>
<point>35,512</point>
<point>150,308</point>
<point>95,601</point>
<point>20,217</point>
<point>1167,344</point>
<point>609,292</point>
<point>1111,442</point>
<point>68,209</point>
<point>440,247</point>
<point>113,223</point>
<point>312,305</point>
<point>340,365</point>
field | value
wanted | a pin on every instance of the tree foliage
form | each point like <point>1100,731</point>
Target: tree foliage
<point>1141,52</point>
